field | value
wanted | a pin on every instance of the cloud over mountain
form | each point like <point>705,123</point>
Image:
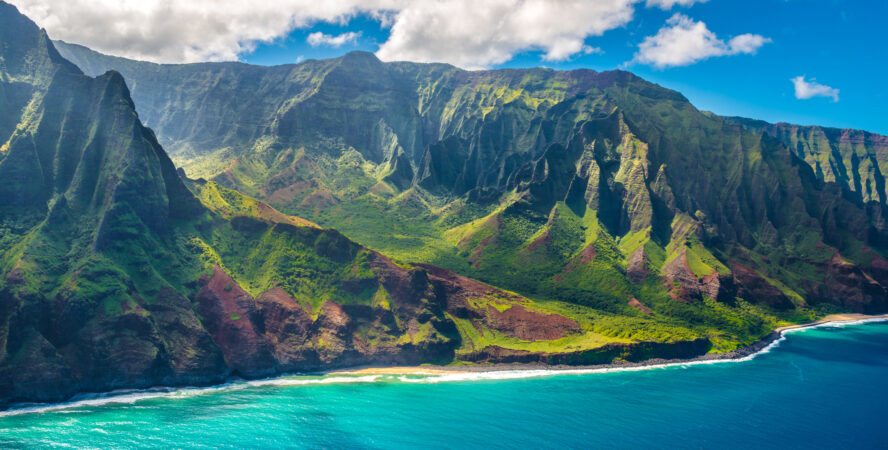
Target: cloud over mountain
<point>318,39</point>
<point>480,34</point>
<point>462,32</point>
<point>185,31</point>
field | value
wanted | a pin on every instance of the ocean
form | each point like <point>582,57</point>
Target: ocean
<point>824,387</point>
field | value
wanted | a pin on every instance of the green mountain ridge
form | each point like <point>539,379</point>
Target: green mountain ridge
<point>821,143</point>
<point>117,272</point>
<point>854,159</point>
<point>830,148</point>
<point>518,177</point>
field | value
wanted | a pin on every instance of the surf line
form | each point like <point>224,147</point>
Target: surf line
<point>414,375</point>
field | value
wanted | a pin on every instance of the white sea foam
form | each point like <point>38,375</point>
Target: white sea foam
<point>116,397</point>
<point>293,381</point>
<point>133,396</point>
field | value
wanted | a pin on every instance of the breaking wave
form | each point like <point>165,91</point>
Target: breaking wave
<point>125,397</point>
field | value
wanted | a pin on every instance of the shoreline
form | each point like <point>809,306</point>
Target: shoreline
<point>742,353</point>
<point>441,373</point>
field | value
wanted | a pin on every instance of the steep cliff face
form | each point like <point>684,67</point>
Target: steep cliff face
<point>606,218</point>
<point>116,272</point>
<point>458,130</point>
<point>599,189</point>
<point>854,159</point>
<point>359,120</point>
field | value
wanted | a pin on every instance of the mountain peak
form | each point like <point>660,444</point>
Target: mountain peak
<point>360,54</point>
<point>27,52</point>
<point>81,138</point>
<point>359,57</point>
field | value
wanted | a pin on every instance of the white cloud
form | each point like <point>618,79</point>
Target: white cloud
<point>684,41</point>
<point>467,33</point>
<point>668,4</point>
<point>473,33</point>
<point>808,89</point>
<point>386,18</point>
<point>185,31</point>
<point>317,39</point>
<point>747,43</point>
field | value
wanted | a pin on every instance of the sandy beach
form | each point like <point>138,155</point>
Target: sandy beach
<point>403,370</point>
<point>832,318</point>
<point>736,354</point>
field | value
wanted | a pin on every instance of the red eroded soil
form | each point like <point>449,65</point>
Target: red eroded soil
<point>529,325</point>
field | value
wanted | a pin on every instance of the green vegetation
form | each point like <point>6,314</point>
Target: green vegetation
<point>609,213</point>
<point>543,182</point>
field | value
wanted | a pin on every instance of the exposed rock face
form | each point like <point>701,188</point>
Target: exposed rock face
<point>637,266</point>
<point>526,325</point>
<point>854,159</point>
<point>515,321</point>
<point>859,291</point>
<point>752,284</point>
<point>687,286</point>
<point>286,325</point>
<point>192,353</point>
<point>227,312</point>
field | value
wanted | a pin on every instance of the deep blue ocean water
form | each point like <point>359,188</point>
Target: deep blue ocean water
<point>818,388</point>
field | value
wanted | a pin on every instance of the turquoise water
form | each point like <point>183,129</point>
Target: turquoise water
<point>824,388</point>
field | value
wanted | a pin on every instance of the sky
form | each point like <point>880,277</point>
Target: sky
<point>811,62</point>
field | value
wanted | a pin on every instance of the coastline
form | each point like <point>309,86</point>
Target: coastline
<point>743,353</point>
<point>436,373</point>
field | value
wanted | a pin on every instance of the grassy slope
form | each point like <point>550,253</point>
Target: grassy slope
<point>337,173</point>
<point>126,254</point>
<point>495,243</point>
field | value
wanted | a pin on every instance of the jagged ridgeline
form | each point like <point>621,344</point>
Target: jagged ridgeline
<point>116,272</point>
<point>599,189</point>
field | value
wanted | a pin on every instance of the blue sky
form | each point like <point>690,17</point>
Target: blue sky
<point>733,57</point>
<point>841,44</point>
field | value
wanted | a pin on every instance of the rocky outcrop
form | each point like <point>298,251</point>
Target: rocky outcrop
<point>687,286</point>
<point>854,159</point>
<point>527,325</point>
<point>637,266</point>
<point>850,285</point>
<point>228,313</point>
<point>754,286</point>
<point>515,320</point>
<point>842,283</point>
<point>286,326</point>
<point>275,332</point>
